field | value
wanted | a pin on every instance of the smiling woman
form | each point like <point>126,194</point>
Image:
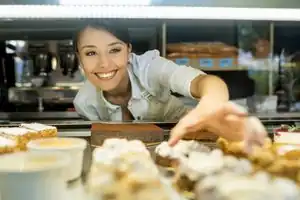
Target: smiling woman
<point>123,86</point>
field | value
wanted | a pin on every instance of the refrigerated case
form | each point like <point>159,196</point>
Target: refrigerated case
<point>156,26</point>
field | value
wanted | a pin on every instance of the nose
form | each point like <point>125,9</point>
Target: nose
<point>103,61</point>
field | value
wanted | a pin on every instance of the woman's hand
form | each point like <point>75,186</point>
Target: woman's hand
<point>225,119</point>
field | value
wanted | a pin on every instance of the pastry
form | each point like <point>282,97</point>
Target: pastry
<point>167,156</point>
<point>20,135</point>
<point>197,166</point>
<point>228,186</point>
<point>43,130</point>
<point>7,145</point>
<point>123,170</point>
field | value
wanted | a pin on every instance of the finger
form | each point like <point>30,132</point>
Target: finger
<point>259,130</point>
<point>234,109</point>
<point>255,133</point>
<point>176,134</point>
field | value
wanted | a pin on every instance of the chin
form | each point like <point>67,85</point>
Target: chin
<point>107,87</point>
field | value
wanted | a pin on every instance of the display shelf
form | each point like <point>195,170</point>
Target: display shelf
<point>9,12</point>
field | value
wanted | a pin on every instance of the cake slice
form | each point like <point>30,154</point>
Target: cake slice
<point>167,156</point>
<point>20,135</point>
<point>43,130</point>
<point>7,145</point>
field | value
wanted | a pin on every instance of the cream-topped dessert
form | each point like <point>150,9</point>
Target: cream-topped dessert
<point>200,165</point>
<point>16,131</point>
<point>20,135</point>
<point>230,186</point>
<point>7,145</point>
<point>168,156</point>
<point>123,169</point>
<point>44,130</point>
<point>4,142</point>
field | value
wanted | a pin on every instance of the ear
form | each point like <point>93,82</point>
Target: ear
<point>129,48</point>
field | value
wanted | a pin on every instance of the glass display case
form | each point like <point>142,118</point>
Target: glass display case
<point>258,34</point>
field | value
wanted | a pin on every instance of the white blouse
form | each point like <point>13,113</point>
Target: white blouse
<point>152,79</point>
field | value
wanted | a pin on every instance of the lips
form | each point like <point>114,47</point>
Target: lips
<point>106,75</point>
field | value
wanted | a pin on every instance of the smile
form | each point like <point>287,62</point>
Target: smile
<point>107,75</point>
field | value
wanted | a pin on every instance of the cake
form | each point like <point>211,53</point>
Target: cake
<point>124,170</point>
<point>200,165</point>
<point>20,135</point>
<point>7,145</point>
<point>197,166</point>
<point>228,186</point>
<point>167,156</point>
<point>43,130</point>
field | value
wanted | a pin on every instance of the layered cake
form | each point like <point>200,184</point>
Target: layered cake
<point>20,135</point>
<point>7,145</point>
<point>167,156</point>
<point>43,130</point>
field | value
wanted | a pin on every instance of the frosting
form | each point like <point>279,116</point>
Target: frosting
<point>37,126</point>
<point>202,164</point>
<point>183,148</point>
<point>120,166</point>
<point>260,186</point>
<point>15,131</point>
<point>286,189</point>
<point>6,142</point>
<point>115,148</point>
<point>113,142</point>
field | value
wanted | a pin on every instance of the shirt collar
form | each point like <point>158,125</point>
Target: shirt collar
<point>135,89</point>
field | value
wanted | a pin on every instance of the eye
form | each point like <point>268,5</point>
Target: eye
<point>90,53</point>
<point>115,50</point>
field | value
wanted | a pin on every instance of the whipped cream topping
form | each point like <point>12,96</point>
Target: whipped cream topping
<point>183,148</point>
<point>202,164</point>
<point>37,126</point>
<point>260,186</point>
<point>4,142</point>
<point>114,142</point>
<point>15,131</point>
<point>115,148</point>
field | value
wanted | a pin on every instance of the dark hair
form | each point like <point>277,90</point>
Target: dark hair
<point>112,26</point>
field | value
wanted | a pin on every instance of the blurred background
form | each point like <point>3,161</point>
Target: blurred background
<point>259,60</point>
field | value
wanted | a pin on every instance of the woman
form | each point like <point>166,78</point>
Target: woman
<point>124,86</point>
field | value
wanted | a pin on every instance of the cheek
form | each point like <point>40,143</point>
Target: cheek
<point>120,60</point>
<point>88,64</point>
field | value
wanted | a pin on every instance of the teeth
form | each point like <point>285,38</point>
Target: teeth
<point>106,75</point>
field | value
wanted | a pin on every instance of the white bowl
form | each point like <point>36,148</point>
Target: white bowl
<point>33,176</point>
<point>73,147</point>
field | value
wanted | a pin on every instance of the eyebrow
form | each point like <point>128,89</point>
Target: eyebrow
<point>113,43</point>
<point>93,46</point>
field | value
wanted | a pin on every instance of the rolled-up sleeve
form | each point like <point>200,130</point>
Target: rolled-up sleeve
<point>168,74</point>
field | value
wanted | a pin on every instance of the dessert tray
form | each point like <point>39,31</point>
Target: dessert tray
<point>123,169</point>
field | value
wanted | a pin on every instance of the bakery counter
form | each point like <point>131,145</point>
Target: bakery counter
<point>31,116</point>
<point>73,116</point>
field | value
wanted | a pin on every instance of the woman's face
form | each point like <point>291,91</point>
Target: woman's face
<point>103,57</point>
